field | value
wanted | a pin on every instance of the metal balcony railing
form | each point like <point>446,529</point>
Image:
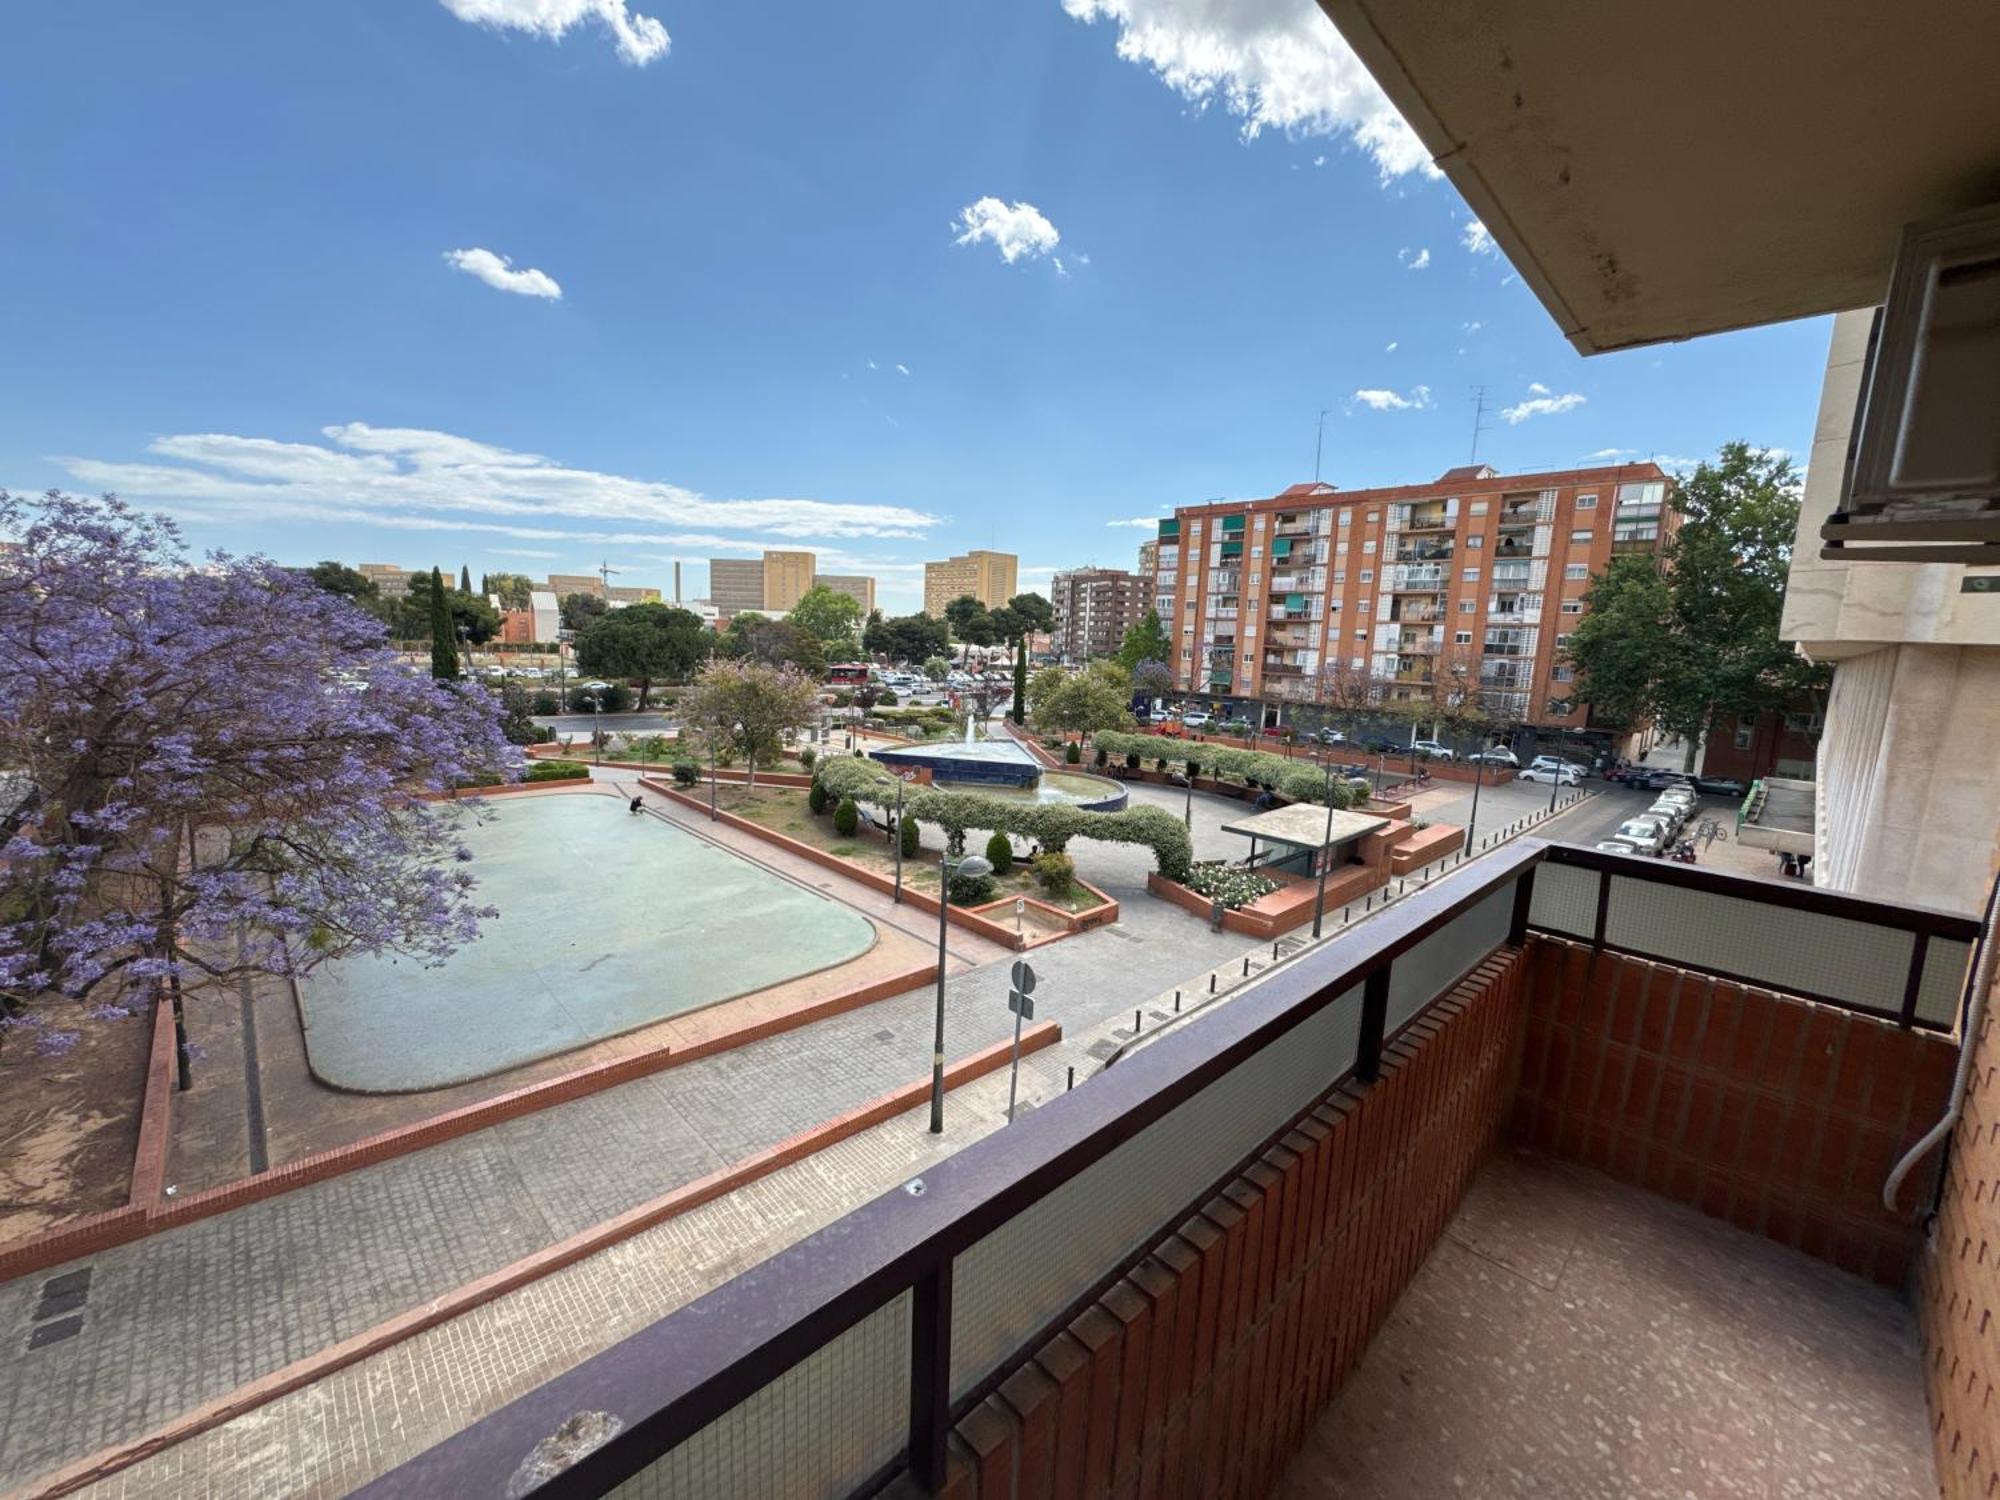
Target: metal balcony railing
<point>842,1362</point>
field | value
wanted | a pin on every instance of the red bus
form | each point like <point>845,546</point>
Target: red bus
<point>847,674</point>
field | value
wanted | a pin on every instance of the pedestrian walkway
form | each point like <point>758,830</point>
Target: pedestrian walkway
<point>187,1316</point>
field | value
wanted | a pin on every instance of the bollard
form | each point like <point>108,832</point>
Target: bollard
<point>1211,984</point>
<point>1177,1002</point>
<point>1274,953</point>
<point>1135,1023</point>
<point>1072,1079</point>
<point>1344,911</point>
<point>1246,966</point>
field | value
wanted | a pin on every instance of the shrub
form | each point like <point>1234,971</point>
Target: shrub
<point>1054,873</point>
<point>557,770</point>
<point>1132,760</point>
<point>1193,769</point>
<point>545,702</point>
<point>888,699</point>
<point>1160,764</point>
<point>817,798</point>
<point>1073,754</point>
<point>686,773</point>
<point>908,832</point>
<point>616,699</point>
<point>1232,886</point>
<point>846,818</point>
<point>1103,755</point>
<point>807,755</point>
<point>654,747</point>
<point>972,890</point>
<point>1000,850</point>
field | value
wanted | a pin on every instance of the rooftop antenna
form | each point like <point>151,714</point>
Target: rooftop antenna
<point>605,573</point>
<point>1319,441</point>
<point>1478,420</point>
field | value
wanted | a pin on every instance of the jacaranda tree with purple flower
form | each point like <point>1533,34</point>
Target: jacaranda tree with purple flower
<point>219,770</point>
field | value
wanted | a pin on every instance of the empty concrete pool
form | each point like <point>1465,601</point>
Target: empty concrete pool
<point>607,922</point>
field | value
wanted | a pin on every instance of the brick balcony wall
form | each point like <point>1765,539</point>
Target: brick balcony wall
<point>1958,1289</point>
<point>1781,1116</point>
<point>1200,1372</point>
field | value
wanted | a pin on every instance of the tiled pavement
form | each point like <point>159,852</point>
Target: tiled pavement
<point>1574,1337</point>
<point>191,1314</point>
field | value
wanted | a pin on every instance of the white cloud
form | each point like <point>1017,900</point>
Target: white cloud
<point>1392,346</point>
<point>1140,523</point>
<point>1276,64</point>
<point>902,369</point>
<point>1473,327</point>
<point>1536,388</point>
<point>641,39</point>
<point>497,272</point>
<point>1381,400</point>
<point>1477,238</point>
<point>1414,260</point>
<point>413,479</point>
<point>1543,406</point>
<point>1018,231</point>
<point>535,552</point>
<point>1608,452</point>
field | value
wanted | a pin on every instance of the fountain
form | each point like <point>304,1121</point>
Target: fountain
<point>1003,768</point>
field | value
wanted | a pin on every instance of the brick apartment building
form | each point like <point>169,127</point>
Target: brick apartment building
<point>1094,607</point>
<point>1269,602</point>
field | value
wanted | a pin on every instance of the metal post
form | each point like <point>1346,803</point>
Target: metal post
<point>1472,822</point>
<point>714,754</point>
<point>1319,902</point>
<point>1556,777</point>
<point>596,727</point>
<point>937,1043</point>
<point>899,840</point>
<point>1014,1077</point>
<point>930,1376</point>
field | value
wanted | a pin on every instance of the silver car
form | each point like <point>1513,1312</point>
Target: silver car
<point>1648,834</point>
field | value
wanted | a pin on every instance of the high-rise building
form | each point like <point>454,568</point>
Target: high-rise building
<point>787,578</point>
<point>857,586</point>
<point>990,577</point>
<point>635,595</point>
<point>1149,557</point>
<point>390,581</point>
<point>735,584</point>
<point>562,585</point>
<point>1478,574</point>
<point>1094,608</point>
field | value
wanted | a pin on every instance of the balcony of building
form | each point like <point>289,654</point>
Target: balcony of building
<point>1424,551</point>
<point>1410,610</point>
<point>1294,524</point>
<point>1417,645</point>
<point>1430,518</point>
<point>1514,544</point>
<point>1563,1176</point>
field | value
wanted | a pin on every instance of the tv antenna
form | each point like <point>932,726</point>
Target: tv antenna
<point>1319,442</point>
<point>1478,420</point>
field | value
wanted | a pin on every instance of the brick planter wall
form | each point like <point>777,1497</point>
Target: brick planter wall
<point>1200,1372</point>
<point>1422,846</point>
<point>1779,1115</point>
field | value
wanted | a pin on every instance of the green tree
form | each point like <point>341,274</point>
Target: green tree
<point>777,643</point>
<point>471,616</point>
<point>465,579</point>
<point>750,706</point>
<point>578,610</point>
<point>827,616</point>
<point>1096,697</point>
<point>936,668</point>
<point>961,612</point>
<point>646,643</point>
<point>1019,707</point>
<point>1005,625</point>
<point>1037,611</point>
<point>1694,636</point>
<point>511,589</point>
<point>908,638</point>
<point>444,640</point>
<point>338,578</point>
<point>1145,641</point>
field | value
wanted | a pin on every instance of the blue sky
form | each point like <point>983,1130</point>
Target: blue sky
<point>230,289</point>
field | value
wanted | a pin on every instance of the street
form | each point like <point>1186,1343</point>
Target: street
<point>650,722</point>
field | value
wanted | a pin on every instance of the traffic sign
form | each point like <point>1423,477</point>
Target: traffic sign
<point>1023,977</point>
<point>1022,1005</point>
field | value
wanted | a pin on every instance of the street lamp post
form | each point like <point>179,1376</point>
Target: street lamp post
<point>1478,775</point>
<point>1556,777</point>
<point>1319,905</point>
<point>714,760</point>
<point>596,727</point>
<point>973,865</point>
<point>899,840</point>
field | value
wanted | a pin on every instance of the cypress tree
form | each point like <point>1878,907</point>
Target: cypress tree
<point>464,578</point>
<point>444,644</point>
<point>1020,680</point>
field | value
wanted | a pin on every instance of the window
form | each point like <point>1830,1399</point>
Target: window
<point>1333,606</point>
<point>1340,547</point>
<point>1361,605</point>
<point>1374,516</point>
<point>1572,606</point>
<point>1368,546</point>
<point>1347,518</point>
<point>1474,543</point>
<point>1248,659</point>
<point>1249,630</point>
<point>1561,641</point>
<point>1467,606</point>
<point>1746,730</point>
<point>1804,723</point>
<point>1256,551</point>
<point>1580,538</point>
<point>1576,572</point>
<point>1461,638</point>
<point>1477,508</point>
<point>1354,664</point>
<point>1563,674</point>
<point>1586,502</point>
<point>1361,635</point>
<point>1470,575</point>
<point>1367,575</point>
<point>1340,575</point>
<point>1255,578</point>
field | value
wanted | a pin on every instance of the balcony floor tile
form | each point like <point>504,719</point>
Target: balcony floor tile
<point>1573,1337</point>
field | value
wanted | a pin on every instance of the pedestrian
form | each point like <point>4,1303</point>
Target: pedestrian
<point>633,806</point>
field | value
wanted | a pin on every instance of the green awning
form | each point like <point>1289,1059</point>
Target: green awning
<point>1232,523</point>
<point>1295,601</point>
<point>1282,547</point>
<point>1169,528</point>
<point>1232,549</point>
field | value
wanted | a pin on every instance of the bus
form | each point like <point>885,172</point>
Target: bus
<point>847,674</point>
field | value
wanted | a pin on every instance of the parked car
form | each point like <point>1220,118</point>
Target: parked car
<point>1648,834</point>
<point>1332,737</point>
<point>1433,750</point>
<point>1195,720</point>
<point>1655,779</point>
<point>1670,812</point>
<point>1552,762</point>
<point>1233,726</point>
<point>1159,716</point>
<point>1495,755</point>
<point>1720,786</point>
<point>1616,846</point>
<point>1549,770</point>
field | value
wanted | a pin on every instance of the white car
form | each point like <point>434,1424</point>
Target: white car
<point>1495,755</point>
<point>1195,720</point>
<point>1617,846</point>
<point>1558,772</point>
<point>1161,716</point>
<point>1432,749</point>
<point>1669,813</point>
<point>1648,834</point>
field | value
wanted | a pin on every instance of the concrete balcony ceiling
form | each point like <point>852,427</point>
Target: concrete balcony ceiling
<point>1584,135</point>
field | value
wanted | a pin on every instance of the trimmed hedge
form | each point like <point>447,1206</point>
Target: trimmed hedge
<point>846,818</point>
<point>1000,853</point>
<point>686,773</point>
<point>557,770</point>
<point>1052,825</point>
<point>1296,781</point>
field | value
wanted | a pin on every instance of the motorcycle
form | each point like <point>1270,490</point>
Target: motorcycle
<point>1683,852</point>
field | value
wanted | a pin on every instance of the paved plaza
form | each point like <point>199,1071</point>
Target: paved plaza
<point>670,924</point>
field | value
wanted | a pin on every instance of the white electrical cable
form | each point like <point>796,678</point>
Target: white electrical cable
<point>1968,1042</point>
